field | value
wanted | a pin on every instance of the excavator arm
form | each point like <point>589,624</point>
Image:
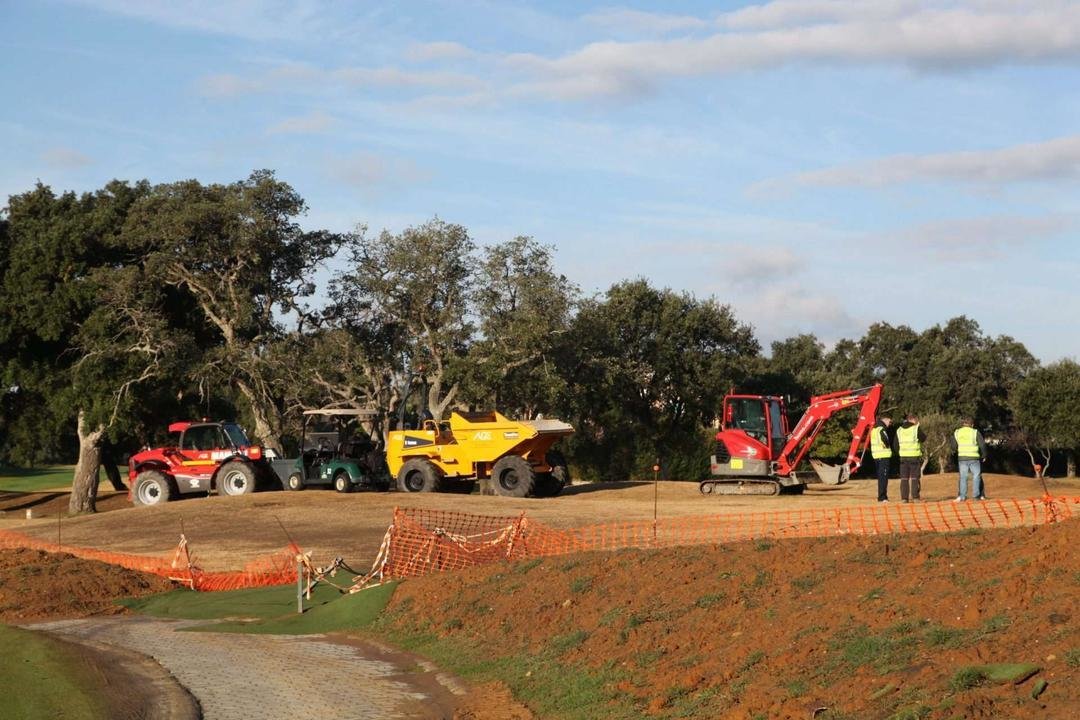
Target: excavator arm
<point>809,426</point>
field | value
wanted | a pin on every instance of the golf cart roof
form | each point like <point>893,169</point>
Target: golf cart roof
<point>357,412</point>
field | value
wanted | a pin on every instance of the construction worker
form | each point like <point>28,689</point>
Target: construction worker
<point>909,440</point>
<point>970,449</point>
<point>882,449</point>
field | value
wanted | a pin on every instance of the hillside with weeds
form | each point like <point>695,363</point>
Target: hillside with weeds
<point>982,624</point>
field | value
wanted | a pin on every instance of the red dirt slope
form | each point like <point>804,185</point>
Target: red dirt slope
<point>35,585</point>
<point>854,627</point>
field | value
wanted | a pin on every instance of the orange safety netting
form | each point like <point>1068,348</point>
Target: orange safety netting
<point>422,541</point>
<point>278,568</point>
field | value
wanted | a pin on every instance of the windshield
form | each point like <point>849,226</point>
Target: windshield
<point>748,415</point>
<point>202,437</point>
<point>236,435</point>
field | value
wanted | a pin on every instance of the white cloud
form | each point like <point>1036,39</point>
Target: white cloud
<point>65,158</point>
<point>369,171</point>
<point>970,240</point>
<point>396,77</point>
<point>932,35</point>
<point>310,124</point>
<point>754,264</point>
<point>782,310</point>
<point>299,77</point>
<point>251,19</point>
<point>637,22</point>
<point>1048,160</point>
<point>793,13</point>
<point>443,50</point>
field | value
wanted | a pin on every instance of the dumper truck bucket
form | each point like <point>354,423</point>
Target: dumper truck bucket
<point>549,427</point>
<point>831,474</point>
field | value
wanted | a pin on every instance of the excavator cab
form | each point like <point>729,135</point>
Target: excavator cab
<point>763,418</point>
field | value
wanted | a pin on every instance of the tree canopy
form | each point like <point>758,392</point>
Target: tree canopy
<point>136,304</point>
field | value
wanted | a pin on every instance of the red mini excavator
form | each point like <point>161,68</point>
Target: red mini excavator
<point>756,454</point>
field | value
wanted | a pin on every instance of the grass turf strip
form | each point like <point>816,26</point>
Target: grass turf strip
<point>48,477</point>
<point>40,678</point>
<point>270,611</point>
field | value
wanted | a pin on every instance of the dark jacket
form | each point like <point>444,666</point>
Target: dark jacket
<point>978,438</point>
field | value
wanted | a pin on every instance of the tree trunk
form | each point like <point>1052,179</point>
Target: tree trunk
<point>108,461</point>
<point>84,486</point>
<point>437,402</point>
<point>267,430</point>
<point>1070,463</point>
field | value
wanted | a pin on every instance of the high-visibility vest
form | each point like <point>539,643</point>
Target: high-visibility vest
<point>967,443</point>
<point>908,438</point>
<point>879,450</point>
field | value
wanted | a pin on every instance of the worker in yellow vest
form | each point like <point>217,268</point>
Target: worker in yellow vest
<point>909,441</point>
<point>882,449</point>
<point>970,449</point>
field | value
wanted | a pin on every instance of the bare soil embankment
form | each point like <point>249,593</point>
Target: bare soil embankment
<point>852,627</point>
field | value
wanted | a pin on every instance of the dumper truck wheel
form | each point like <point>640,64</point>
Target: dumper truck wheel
<point>418,475</point>
<point>295,482</point>
<point>513,476</point>
<point>236,478</point>
<point>152,488</point>
<point>550,484</point>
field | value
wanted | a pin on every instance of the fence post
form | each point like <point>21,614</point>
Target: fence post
<point>299,586</point>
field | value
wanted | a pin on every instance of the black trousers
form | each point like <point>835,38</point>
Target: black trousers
<point>883,478</point>
<point>910,478</point>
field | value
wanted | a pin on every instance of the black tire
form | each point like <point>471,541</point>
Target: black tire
<point>419,475</point>
<point>342,482</point>
<point>235,478</point>
<point>295,482</point>
<point>152,487</point>
<point>552,483</point>
<point>513,476</point>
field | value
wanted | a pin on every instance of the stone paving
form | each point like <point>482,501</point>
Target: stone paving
<point>237,677</point>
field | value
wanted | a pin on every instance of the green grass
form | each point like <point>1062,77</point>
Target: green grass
<point>580,585</point>
<point>39,679</point>
<point>270,611</point>
<point>254,603</point>
<point>707,601</point>
<point>886,652</point>
<point>48,477</point>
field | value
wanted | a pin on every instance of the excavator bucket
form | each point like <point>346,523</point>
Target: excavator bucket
<point>831,474</point>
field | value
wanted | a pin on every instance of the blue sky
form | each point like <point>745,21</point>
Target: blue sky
<point>818,164</point>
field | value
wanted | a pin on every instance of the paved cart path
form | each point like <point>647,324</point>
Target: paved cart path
<point>277,676</point>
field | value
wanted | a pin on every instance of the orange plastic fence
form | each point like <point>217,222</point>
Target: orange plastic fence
<point>278,568</point>
<point>421,541</point>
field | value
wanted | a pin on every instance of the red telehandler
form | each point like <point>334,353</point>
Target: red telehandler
<point>756,454</point>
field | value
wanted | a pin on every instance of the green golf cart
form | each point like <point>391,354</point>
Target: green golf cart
<point>336,451</point>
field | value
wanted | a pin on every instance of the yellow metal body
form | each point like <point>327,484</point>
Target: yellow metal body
<point>468,444</point>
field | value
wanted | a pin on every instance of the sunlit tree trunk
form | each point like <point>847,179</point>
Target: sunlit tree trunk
<point>84,486</point>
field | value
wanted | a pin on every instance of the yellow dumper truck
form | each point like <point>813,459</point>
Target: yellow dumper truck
<point>508,457</point>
